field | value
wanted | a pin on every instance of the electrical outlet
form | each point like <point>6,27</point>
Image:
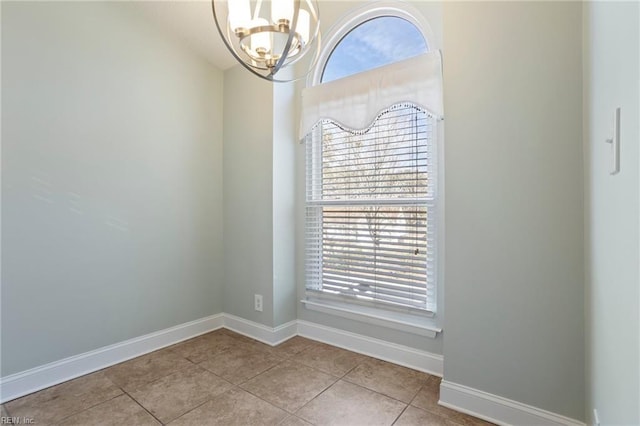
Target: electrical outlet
<point>257,302</point>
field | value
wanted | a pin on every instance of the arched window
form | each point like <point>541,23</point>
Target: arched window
<point>369,120</point>
<point>374,43</point>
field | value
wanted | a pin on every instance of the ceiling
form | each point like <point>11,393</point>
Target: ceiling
<point>190,21</point>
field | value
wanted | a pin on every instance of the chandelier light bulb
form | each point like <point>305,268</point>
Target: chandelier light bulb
<point>302,27</point>
<point>282,12</point>
<point>266,36</point>
<point>239,15</point>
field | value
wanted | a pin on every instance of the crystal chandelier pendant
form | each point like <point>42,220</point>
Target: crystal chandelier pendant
<point>277,40</point>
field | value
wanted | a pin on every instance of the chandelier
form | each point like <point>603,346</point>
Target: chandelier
<point>268,37</point>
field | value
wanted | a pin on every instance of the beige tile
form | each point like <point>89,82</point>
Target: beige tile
<point>204,347</point>
<point>55,403</point>
<point>347,404</point>
<point>240,363</point>
<point>118,411</point>
<point>289,385</point>
<point>172,396</point>
<point>257,345</point>
<point>294,346</point>
<point>137,372</point>
<point>285,349</point>
<point>413,416</point>
<point>235,407</point>
<point>427,399</point>
<point>294,421</point>
<point>389,379</point>
<point>329,359</point>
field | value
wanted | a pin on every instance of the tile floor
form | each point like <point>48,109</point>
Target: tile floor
<point>223,378</point>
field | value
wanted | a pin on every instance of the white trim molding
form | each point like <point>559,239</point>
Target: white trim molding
<point>461,398</point>
<point>421,326</point>
<point>496,409</point>
<point>35,379</point>
<point>398,354</point>
<point>269,335</point>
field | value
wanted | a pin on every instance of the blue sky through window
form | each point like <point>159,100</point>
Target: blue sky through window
<point>374,43</point>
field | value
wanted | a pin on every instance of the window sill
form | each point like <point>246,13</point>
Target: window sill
<point>420,325</point>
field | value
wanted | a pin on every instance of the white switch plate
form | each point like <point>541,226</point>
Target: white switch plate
<point>615,144</point>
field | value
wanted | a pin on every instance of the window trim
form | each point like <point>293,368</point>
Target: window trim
<point>420,324</point>
<point>424,325</point>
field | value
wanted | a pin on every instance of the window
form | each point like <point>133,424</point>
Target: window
<point>370,210</point>
<point>371,170</point>
<point>374,43</point>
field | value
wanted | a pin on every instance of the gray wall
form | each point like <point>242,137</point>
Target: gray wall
<point>259,224</point>
<point>612,67</point>
<point>248,191</point>
<point>111,181</point>
<point>514,211</point>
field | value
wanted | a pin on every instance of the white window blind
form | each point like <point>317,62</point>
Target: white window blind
<point>371,189</point>
<point>371,203</point>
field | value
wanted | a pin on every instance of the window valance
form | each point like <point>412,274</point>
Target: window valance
<point>355,101</point>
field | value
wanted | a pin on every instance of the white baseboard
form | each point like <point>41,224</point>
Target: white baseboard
<point>269,335</point>
<point>35,379</point>
<point>398,354</point>
<point>32,380</point>
<point>458,397</point>
<point>497,409</point>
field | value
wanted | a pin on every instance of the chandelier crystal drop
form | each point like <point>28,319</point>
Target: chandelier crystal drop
<point>269,36</point>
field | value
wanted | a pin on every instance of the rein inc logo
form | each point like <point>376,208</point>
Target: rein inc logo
<point>6,420</point>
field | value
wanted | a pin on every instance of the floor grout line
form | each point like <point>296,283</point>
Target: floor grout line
<point>399,415</point>
<point>198,406</point>
<point>88,408</point>
<point>141,406</point>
